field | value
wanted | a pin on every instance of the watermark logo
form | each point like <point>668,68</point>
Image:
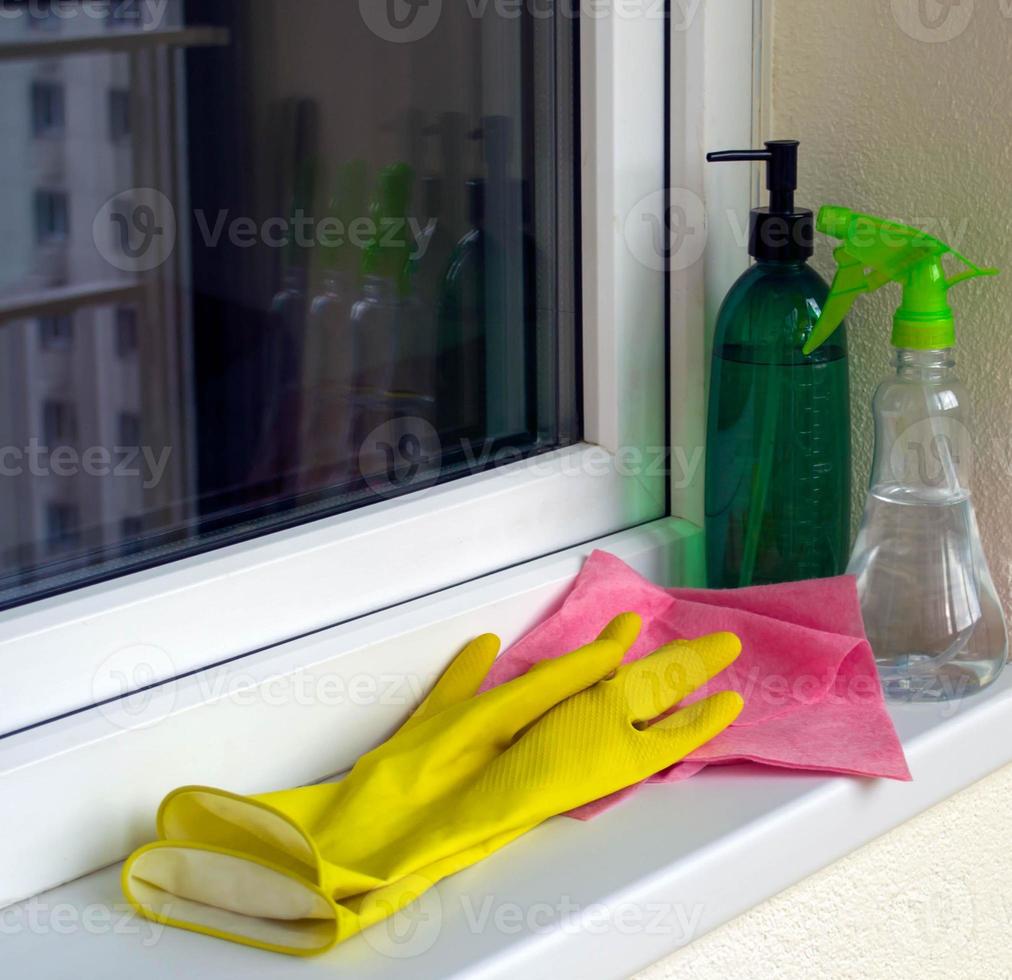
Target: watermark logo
<point>404,21</point>
<point>401,21</point>
<point>409,918</point>
<point>135,231</point>
<point>935,917</point>
<point>133,686</point>
<point>667,230</point>
<point>933,21</point>
<point>414,917</point>
<point>936,453</point>
<point>404,453</point>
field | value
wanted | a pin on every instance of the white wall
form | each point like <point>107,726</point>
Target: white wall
<point>931,900</point>
<point>909,118</point>
<point>920,129</point>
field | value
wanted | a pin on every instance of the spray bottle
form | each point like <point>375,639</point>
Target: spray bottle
<point>929,604</point>
<point>778,441</point>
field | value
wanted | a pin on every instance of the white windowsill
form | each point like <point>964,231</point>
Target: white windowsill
<point>665,867</point>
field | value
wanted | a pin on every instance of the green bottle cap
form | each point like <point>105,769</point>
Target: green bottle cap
<point>875,252</point>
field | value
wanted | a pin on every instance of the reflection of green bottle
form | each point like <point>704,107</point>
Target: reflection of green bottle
<point>328,356</point>
<point>461,329</point>
<point>778,443</point>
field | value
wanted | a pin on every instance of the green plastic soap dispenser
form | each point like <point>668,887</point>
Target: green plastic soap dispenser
<point>778,465</point>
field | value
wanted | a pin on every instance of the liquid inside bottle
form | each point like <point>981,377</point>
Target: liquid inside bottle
<point>929,603</point>
<point>778,459</point>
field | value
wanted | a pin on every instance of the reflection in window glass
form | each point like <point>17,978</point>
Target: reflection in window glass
<point>41,16</point>
<point>119,114</point>
<point>126,331</point>
<point>56,332</point>
<point>52,215</point>
<point>59,423</point>
<point>309,267</point>
<point>47,108</point>
<point>129,429</point>
<point>63,527</point>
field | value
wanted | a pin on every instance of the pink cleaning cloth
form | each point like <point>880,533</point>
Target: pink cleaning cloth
<point>813,700</point>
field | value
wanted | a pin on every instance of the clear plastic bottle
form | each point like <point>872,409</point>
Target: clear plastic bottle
<point>927,597</point>
<point>933,617</point>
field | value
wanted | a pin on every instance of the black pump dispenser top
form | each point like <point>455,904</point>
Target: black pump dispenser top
<point>779,232</point>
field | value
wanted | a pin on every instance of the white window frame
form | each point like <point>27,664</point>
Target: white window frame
<point>193,613</point>
<point>214,608</point>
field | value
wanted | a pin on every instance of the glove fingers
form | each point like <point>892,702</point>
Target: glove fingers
<point>550,682</point>
<point>624,629</point>
<point>672,673</point>
<point>460,680</point>
<point>680,734</point>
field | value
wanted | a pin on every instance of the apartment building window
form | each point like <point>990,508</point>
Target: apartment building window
<point>126,331</point>
<point>63,527</point>
<point>52,215</point>
<point>56,332</point>
<point>59,423</point>
<point>119,114</point>
<point>48,109</point>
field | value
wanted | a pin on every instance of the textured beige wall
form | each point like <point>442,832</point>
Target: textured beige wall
<point>904,109</point>
<point>932,900</point>
<point>897,120</point>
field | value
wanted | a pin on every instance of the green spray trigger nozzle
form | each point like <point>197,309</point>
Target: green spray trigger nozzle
<point>876,252</point>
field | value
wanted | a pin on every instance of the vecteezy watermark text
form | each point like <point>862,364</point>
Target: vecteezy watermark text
<point>141,15</point>
<point>406,21</point>
<point>305,231</point>
<point>41,918</point>
<point>411,931</point>
<point>130,462</point>
<point>136,231</point>
<point>408,453</point>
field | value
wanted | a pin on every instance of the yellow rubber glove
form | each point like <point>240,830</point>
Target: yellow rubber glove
<point>296,872</point>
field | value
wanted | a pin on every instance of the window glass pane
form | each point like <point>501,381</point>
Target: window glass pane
<point>268,261</point>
